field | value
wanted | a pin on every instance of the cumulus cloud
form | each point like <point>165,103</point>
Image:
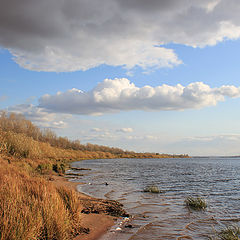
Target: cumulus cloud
<point>58,35</point>
<point>122,95</point>
<point>40,116</point>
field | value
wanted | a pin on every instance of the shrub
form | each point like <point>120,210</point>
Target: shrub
<point>59,168</point>
<point>196,203</point>
<point>152,189</point>
<point>44,168</point>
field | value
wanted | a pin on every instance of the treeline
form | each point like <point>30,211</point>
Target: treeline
<point>18,124</point>
<point>20,137</point>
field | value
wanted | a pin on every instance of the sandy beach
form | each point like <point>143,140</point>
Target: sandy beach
<point>98,223</point>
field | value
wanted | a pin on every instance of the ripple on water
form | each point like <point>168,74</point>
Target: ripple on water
<point>164,215</point>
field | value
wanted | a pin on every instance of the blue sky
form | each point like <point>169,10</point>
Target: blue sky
<point>126,90</point>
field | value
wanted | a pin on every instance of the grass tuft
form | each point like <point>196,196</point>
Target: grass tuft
<point>196,203</point>
<point>229,233</point>
<point>152,189</point>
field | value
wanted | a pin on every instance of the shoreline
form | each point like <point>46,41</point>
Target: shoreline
<point>97,215</point>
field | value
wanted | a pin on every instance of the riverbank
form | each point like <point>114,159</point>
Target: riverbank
<point>98,215</point>
<point>41,205</point>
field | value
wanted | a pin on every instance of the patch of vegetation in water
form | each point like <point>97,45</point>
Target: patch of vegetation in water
<point>229,233</point>
<point>152,189</point>
<point>196,203</point>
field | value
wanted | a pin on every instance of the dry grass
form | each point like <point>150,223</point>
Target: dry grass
<point>32,208</point>
<point>22,146</point>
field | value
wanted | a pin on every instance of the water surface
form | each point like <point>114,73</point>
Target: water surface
<point>164,215</point>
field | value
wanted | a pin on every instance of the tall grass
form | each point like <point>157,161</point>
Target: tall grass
<point>32,208</point>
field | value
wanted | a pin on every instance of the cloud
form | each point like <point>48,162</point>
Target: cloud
<point>125,130</point>
<point>143,138</point>
<point>205,139</point>
<point>58,35</point>
<point>99,137</point>
<point>40,116</point>
<point>121,95</point>
<point>222,144</point>
<point>96,130</point>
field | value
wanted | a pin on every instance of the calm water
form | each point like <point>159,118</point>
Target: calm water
<point>164,215</point>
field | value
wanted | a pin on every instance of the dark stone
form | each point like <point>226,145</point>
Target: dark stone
<point>85,230</point>
<point>129,226</point>
<point>85,211</point>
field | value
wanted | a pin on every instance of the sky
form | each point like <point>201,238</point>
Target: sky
<point>148,76</point>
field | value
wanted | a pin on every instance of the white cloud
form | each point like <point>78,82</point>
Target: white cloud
<point>96,130</point>
<point>229,137</point>
<point>211,5</point>
<point>57,35</point>
<point>125,130</point>
<point>225,145</point>
<point>59,124</point>
<point>122,95</point>
<point>40,116</point>
<point>99,137</point>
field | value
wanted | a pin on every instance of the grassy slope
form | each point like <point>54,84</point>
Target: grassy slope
<point>32,207</point>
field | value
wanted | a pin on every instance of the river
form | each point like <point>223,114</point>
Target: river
<point>165,215</point>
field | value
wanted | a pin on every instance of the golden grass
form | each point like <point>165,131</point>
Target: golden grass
<point>22,146</point>
<point>33,208</point>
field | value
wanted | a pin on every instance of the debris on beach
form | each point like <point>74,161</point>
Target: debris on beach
<point>109,207</point>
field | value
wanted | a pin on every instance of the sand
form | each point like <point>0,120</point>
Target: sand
<point>98,224</point>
